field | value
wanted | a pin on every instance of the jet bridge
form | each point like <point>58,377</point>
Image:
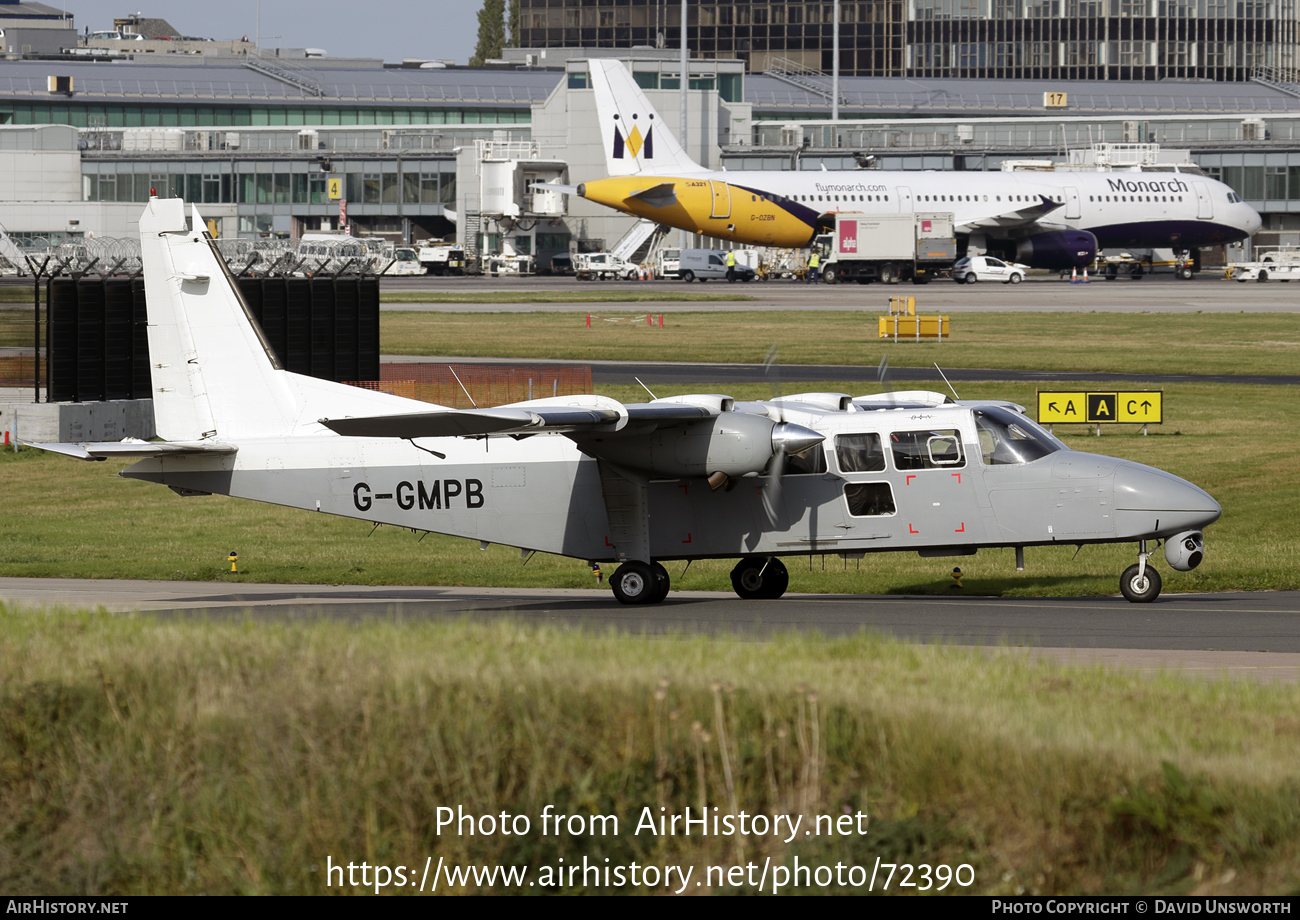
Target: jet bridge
<point>510,207</point>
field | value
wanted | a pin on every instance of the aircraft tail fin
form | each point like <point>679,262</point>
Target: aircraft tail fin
<point>214,376</point>
<point>636,139</point>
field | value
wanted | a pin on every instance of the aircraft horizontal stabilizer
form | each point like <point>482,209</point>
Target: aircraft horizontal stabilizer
<point>657,196</point>
<point>133,447</point>
<point>1029,214</point>
<point>504,420</point>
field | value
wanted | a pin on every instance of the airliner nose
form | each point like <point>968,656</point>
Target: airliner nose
<point>1254,221</point>
<point>1148,500</point>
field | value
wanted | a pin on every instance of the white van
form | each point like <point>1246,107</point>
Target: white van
<point>669,262</point>
<point>703,264</point>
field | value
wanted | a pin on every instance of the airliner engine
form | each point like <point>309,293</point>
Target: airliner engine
<point>1058,249</point>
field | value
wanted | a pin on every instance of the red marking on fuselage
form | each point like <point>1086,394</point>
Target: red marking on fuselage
<point>688,539</point>
<point>909,480</point>
<point>682,486</point>
<point>911,529</point>
<point>607,543</point>
<point>958,475</point>
<point>961,529</point>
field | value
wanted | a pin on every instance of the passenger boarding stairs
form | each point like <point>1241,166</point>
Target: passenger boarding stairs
<point>637,245</point>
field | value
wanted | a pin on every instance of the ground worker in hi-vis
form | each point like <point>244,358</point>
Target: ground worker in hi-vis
<point>731,266</point>
<point>814,262</point>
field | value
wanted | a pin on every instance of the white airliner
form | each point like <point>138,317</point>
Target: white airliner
<point>1052,220</point>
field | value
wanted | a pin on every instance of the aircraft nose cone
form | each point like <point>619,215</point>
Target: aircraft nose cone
<point>1175,503</point>
<point>794,439</point>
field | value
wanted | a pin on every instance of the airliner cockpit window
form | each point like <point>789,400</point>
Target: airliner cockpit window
<point>1006,437</point>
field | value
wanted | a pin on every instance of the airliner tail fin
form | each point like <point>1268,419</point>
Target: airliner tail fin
<point>636,139</point>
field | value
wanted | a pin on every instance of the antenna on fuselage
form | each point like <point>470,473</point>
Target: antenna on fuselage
<point>462,386</point>
<point>945,379</point>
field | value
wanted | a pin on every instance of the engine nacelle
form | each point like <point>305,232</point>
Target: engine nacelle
<point>735,443</point>
<point>1058,249</point>
<point>1185,551</point>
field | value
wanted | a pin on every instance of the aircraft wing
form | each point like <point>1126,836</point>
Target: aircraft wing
<point>511,420</point>
<point>133,447</point>
<point>1029,214</point>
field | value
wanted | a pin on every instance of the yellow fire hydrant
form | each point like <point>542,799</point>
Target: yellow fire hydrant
<point>956,577</point>
<point>234,558</point>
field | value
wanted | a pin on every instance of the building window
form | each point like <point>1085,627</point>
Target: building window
<point>1128,54</point>
<point>1275,182</point>
<point>1174,54</point>
<point>371,188</point>
<point>971,54</point>
<point>1083,54</point>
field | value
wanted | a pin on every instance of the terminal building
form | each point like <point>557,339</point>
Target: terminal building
<point>981,39</point>
<point>412,152</point>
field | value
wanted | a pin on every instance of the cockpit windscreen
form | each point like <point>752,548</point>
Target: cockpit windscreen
<point>1006,437</point>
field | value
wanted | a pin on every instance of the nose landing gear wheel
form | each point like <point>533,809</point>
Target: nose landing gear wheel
<point>639,583</point>
<point>1140,589</point>
<point>757,578</point>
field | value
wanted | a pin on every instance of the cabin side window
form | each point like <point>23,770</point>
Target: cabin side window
<point>859,453</point>
<point>938,448</point>
<point>869,499</point>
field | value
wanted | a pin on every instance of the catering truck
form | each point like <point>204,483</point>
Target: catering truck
<point>887,247</point>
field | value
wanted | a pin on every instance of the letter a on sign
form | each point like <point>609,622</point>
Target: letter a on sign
<point>1101,407</point>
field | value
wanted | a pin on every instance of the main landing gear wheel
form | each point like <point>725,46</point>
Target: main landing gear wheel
<point>1140,589</point>
<point>758,578</point>
<point>640,583</point>
<point>1186,273</point>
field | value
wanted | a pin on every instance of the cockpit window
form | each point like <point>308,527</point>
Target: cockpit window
<point>859,453</point>
<point>927,450</point>
<point>1006,437</point>
<point>1234,198</point>
<point>812,460</point>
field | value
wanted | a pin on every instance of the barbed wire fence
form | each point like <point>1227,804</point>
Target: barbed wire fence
<point>120,256</point>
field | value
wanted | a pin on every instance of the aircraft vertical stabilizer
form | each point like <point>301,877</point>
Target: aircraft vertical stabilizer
<point>636,140</point>
<point>213,374</point>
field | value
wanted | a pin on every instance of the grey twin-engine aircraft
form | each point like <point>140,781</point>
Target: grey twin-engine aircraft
<point>687,477</point>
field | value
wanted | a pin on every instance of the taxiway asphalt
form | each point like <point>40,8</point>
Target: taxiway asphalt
<point>1254,634</point>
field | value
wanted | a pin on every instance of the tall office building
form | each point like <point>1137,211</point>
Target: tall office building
<point>1010,39</point>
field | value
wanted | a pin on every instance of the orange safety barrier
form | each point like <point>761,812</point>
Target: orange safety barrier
<point>651,319</point>
<point>18,370</point>
<point>488,384</point>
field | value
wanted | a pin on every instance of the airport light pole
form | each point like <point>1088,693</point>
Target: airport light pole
<point>685,81</point>
<point>835,63</point>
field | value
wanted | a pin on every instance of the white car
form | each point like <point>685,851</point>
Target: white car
<point>986,268</point>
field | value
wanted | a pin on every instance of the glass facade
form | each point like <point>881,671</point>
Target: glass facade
<point>270,184</point>
<point>1009,39</point>
<point>216,116</point>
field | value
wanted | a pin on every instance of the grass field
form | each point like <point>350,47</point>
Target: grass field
<point>1259,343</point>
<point>143,756</point>
<point>67,518</point>
<point>542,296</point>
<point>1247,343</point>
